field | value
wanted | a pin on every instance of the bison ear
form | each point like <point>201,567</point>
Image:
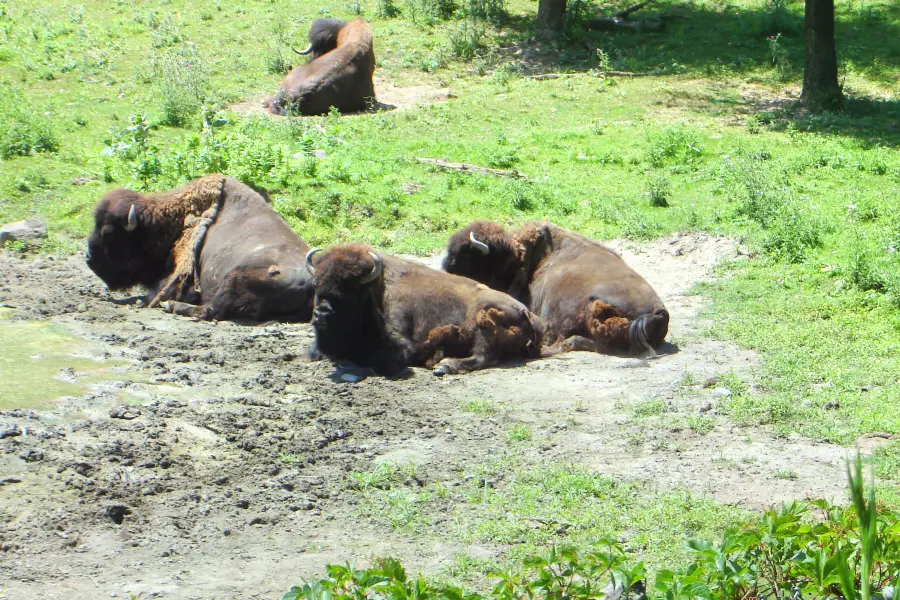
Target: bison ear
<point>132,222</point>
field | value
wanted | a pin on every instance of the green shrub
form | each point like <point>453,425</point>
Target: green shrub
<point>428,12</point>
<point>183,83</point>
<point>23,129</point>
<point>465,39</point>
<point>386,9</point>
<point>659,191</point>
<point>679,145</point>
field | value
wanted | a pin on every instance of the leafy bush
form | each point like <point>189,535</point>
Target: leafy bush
<point>23,130</point>
<point>810,550</point>
<point>492,11</point>
<point>465,39</point>
<point>386,9</point>
<point>182,82</point>
<point>680,145</point>
<point>659,191</point>
<point>429,12</point>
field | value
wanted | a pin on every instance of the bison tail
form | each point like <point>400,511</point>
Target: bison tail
<point>648,331</point>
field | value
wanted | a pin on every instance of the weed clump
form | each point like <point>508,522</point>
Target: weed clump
<point>182,82</point>
<point>678,145</point>
<point>23,131</point>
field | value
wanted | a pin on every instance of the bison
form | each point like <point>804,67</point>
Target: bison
<point>585,295</point>
<point>339,74</point>
<point>213,249</point>
<point>386,314</point>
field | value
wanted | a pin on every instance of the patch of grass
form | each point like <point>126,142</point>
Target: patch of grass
<point>379,477</point>
<point>519,433</point>
<point>24,130</point>
<point>482,407</point>
<point>651,408</point>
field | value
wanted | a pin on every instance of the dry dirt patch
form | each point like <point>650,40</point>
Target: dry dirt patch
<point>227,473</point>
<point>390,96</point>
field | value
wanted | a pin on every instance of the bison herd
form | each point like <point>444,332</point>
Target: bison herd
<point>215,249</point>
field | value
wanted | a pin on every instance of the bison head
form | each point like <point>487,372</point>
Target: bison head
<point>483,251</point>
<point>345,278</point>
<point>123,250</point>
<point>323,37</point>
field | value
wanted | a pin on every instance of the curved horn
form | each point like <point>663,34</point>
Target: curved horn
<point>132,223</point>
<point>376,270</point>
<point>303,52</point>
<point>309,266</point>
<point>481,246</point>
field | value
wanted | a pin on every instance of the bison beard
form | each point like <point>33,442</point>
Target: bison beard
<point>216,242</point>
<point>586,296</point>
<point>339,74</point>
<point>387,314</point>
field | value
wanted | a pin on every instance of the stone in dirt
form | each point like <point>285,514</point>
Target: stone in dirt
<point>125,412</point>
<point>29,230</point>
<point>6,432</point>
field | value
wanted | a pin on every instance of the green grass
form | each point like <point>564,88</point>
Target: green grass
<point>524,507</point>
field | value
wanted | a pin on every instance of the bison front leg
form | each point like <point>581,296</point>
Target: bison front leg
<point>197,311</point>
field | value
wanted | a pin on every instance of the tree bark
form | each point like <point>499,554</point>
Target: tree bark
<point>820,84</point>
<point>551,15</point>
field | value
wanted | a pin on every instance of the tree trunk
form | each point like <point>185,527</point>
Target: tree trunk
<point>820,84</point>
<point>551,15</point>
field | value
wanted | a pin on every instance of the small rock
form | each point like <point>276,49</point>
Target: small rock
<point>350,377</point>
<point>13,431</point>
<point>8,480</point>
<point>125,412</point>
<point>677,251</point>
<point>706,407</point>
<point>117,513</point>
<point>226,531</point>
<point>32,455</point>
<point>721,392</point>
<point>29,230</point>
<point>320,154</point>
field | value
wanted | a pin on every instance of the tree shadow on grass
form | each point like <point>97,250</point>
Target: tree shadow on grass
<point>874,120</point>
<point>706,40</point>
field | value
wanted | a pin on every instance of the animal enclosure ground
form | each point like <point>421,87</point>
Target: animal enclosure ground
<point>246,468</point>
<point>221,462</point>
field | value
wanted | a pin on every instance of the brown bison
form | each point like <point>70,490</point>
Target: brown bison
<point>213,249</point>
<point>339,74</point>
<point>585,295</point>
<point>386,313</point>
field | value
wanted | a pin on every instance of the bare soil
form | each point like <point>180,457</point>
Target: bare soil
<point>218,465</point>
<point>389,96</point>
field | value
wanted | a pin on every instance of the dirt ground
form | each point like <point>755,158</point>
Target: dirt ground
<point>216,465</point>
<point>389,96</point>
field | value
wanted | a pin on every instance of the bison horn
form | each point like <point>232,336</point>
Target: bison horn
<point>482,247</point>
<point>376,270</point>
<point>309,265</point>
<point>132,223</point>
<point>303,52</point>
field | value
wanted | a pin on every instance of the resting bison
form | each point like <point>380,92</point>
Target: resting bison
<point>387,313</point>
<point>213,249</point>
<point>585,295</point>
<point>339,74</point>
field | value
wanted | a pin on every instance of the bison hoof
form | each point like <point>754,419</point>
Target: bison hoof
<point>167,306</point>
<point>441,370</point>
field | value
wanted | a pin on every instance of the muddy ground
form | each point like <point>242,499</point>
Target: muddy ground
<point>218,462</point>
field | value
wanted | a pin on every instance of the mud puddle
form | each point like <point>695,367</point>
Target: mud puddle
<point>42,361</point>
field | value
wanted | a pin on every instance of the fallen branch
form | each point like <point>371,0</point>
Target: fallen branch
<point>545,76</point>
<point>467,168</point>
<point>618,21</point>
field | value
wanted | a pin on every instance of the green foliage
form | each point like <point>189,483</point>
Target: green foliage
<point>429,12</point>
<point>779,55</point>
<point>659,190</point>
<point>519,432</point>
<point>23,129</point>
<point>811,550</point>
<point>465,39</point>
<point>679,145</point>
<point>386,9</point>
<point>183,83</point>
